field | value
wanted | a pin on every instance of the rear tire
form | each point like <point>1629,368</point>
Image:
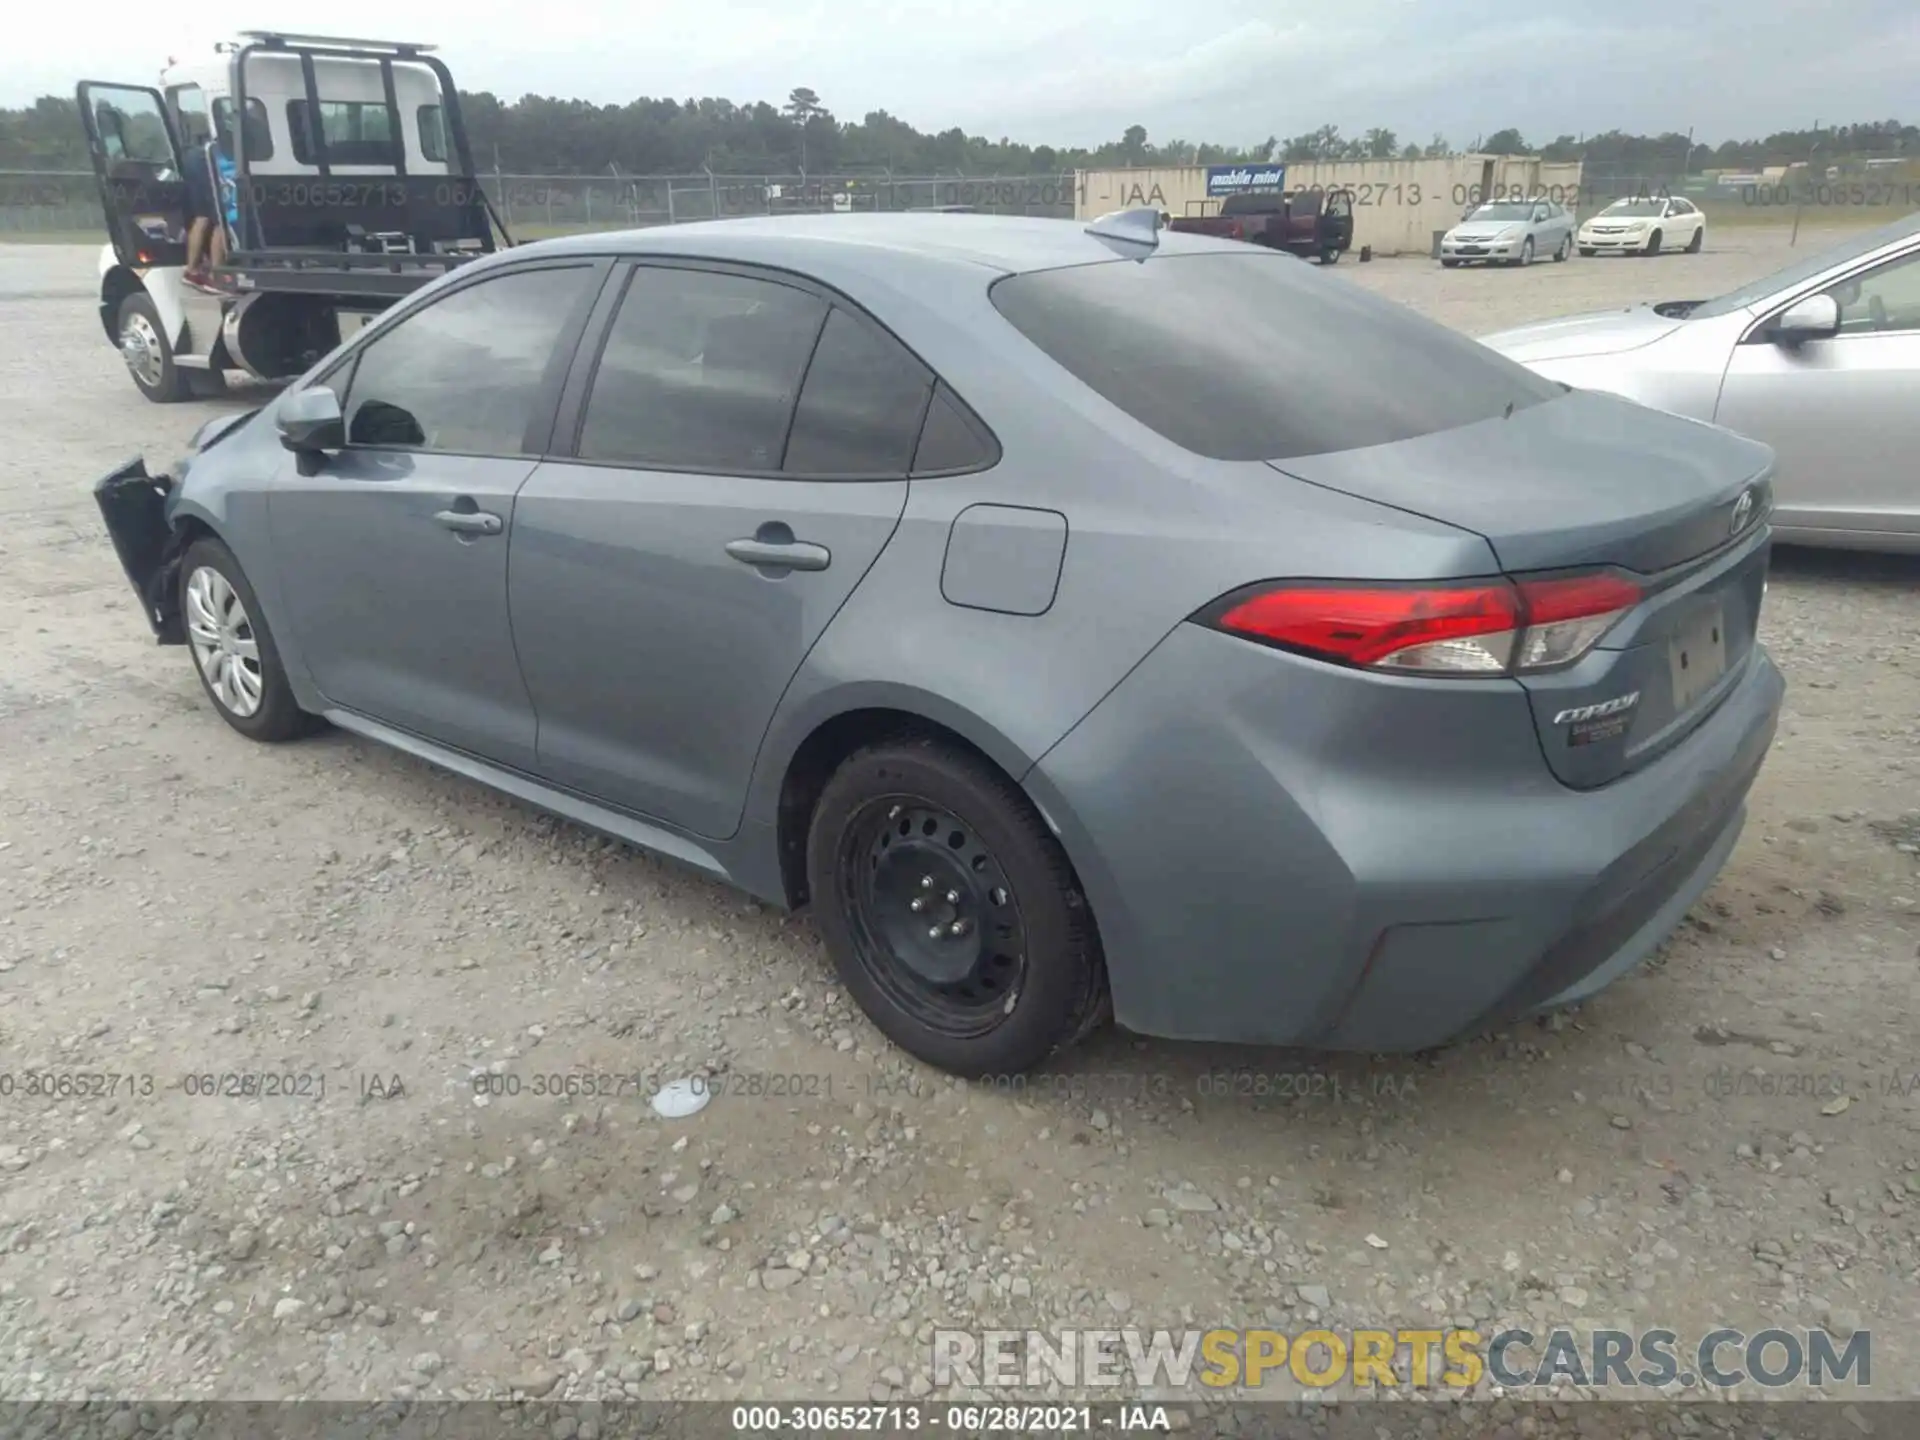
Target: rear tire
<point>233,651</point>
<point>1566,249</point>
<point>912,833</point>
<point>148,353</point>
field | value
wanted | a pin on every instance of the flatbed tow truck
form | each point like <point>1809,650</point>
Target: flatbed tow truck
<point>353,185</point>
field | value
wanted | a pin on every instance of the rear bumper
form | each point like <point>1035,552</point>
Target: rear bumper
<point>134,506</point>
<point>1345,862</point>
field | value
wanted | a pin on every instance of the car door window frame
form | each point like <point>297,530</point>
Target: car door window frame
<point>1759,333</point>
<point>537,438</point>
<point>570,416</point>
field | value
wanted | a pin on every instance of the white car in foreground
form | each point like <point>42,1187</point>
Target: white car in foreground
<point>1645,225</point>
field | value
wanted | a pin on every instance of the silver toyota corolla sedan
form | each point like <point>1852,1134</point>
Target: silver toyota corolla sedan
<point>1083,623</point>
<point>1821,361</point>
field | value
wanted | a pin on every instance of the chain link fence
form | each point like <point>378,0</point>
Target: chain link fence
<point>66,203</point>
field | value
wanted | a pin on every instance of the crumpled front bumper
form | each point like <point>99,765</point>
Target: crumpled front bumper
<point>134,505</point>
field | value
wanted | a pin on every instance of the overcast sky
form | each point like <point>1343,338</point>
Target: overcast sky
<point>1075,72</point>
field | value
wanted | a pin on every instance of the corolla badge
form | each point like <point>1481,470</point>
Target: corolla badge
<point>1595,712</point>
<point>1742,511</point>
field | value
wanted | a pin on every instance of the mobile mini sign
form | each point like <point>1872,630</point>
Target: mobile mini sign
<point>1237,179</point>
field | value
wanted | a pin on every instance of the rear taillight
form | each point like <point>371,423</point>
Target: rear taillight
<point>1482,627</point>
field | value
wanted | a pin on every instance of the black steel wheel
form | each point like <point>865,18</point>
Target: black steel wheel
<point>950,910</point>
<point>935,921</point>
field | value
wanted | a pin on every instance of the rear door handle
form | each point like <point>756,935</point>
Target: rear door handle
<point>780,554</point>
<point>470,522</point>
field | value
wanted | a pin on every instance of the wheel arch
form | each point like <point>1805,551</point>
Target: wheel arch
<point>116,284</point>
<point>792,785</point>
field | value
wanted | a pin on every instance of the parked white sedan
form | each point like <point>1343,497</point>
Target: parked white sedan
<point>1645,225</point>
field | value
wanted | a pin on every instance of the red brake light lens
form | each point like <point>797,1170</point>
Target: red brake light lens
<point>1491,627</point>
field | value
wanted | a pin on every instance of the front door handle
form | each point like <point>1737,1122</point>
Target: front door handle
<point>470,522</point>
<point>777,552</point>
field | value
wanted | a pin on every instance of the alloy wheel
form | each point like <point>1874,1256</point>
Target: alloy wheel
<point>224,643</point>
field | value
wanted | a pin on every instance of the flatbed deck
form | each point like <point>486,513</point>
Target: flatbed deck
<point>330,272</point>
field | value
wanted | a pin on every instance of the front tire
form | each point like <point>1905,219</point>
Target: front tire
<point>1449,264</point>
<point>1587,251</point>
<point>1526,252</point>
<point>1698,241</point>
<point>950,910</point>
<point>148,353</point>
<point>1329,257</point>
<point>1653,243</point>
<point>233,651</point>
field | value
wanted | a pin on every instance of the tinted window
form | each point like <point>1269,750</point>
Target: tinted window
<point>357,132</point>
<point>1257,357</point>
<point>464,374</point>
<point>951,439</point>
<point>258,138</point>
<point>700,372</point>
<point>1253,205</point>
<point>433,133</point>
<point>861,406</point>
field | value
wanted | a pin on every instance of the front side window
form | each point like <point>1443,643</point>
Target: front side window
<point>189,104</point>
<point>465,374</point>
<point>132,127</point>
<point>700,372</point>
<point>1257,357</point>
<point>1886,298</point>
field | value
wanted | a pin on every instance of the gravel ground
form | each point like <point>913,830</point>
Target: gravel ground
<point>1726,1137</point>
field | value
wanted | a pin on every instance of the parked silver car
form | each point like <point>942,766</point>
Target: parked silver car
<point>1509,232</point>
<point>1821,361</point>
<point>1126,621</point>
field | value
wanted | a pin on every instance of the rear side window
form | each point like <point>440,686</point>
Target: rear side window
<point>861,407</point>
<point>433,133</point>
<point>1258,357</point>
<point>257,137</point>
<point>700,372</point>
<point>952,439</point>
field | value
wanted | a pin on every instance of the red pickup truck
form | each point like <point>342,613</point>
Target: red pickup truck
<point>1317,223</point>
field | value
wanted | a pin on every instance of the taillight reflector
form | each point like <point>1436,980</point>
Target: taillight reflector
<point>1489,627</point>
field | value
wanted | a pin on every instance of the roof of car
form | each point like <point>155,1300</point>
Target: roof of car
<point>1004,243</point>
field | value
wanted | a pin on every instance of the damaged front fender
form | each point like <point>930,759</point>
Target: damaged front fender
<point>134,505</point>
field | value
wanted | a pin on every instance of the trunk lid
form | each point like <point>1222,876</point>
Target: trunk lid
<point>1587,481</point>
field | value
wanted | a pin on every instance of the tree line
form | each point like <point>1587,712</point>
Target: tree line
<point>539,134</point>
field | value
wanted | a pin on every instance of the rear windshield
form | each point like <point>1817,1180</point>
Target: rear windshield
<point>1253,205</point>
<point>1257,356</point>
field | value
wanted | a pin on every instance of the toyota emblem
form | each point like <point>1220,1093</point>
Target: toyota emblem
<point>1742,511</point>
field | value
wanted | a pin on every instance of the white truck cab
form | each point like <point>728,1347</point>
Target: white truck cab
<point>351,183</point>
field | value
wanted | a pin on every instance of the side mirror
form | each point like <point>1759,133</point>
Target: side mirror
<point>1813,318</point>
<point>310,421</point>
<point>1539,215</point>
